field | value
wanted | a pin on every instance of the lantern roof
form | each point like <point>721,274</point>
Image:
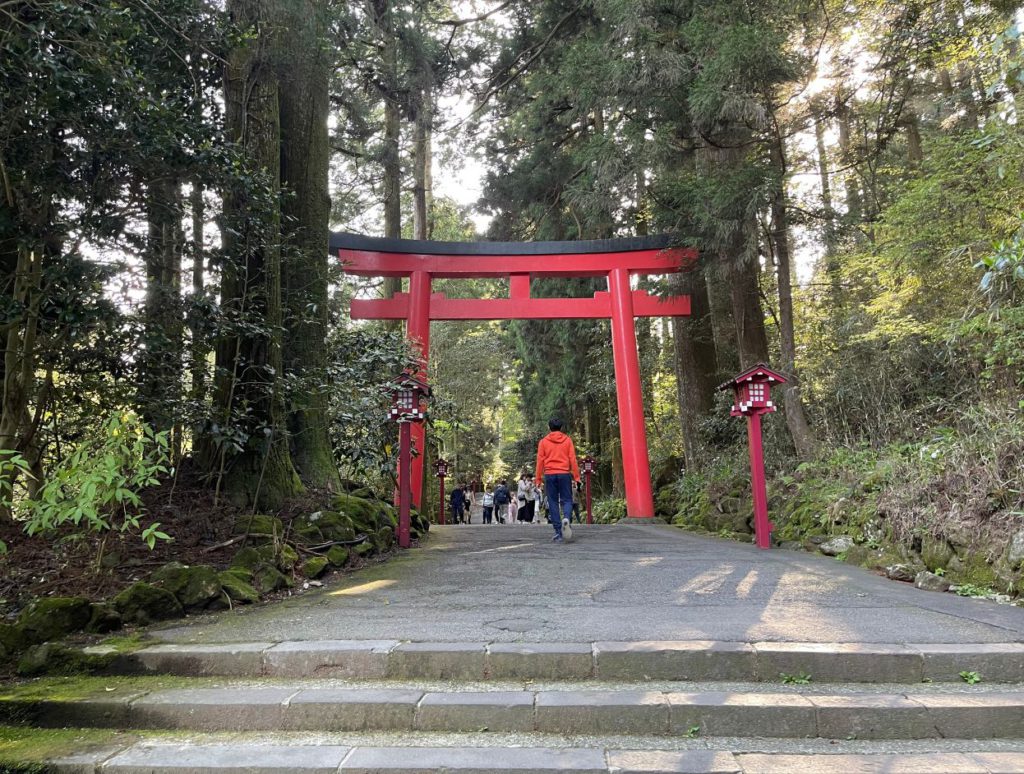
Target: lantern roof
<point>407,380</point>
<point>757,372</point>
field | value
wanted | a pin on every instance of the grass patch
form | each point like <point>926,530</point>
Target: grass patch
<point>79,687</point>
<point>24,750</point>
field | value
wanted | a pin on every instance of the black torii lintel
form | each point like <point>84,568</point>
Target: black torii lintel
<point>341,240</point>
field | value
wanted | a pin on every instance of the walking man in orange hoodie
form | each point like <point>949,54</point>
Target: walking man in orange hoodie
<point>558,469</point>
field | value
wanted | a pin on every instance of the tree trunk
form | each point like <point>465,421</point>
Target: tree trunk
<point>854,204</point>
<point>304,65</point>
<point>199,348</point>
<point>796,417</point>
<point>421,168</point>
<point>161,363</point>
<point>392,161</point>
<point>696,364</point>
<point>248,400</point>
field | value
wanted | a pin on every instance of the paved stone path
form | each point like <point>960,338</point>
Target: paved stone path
<point>510,583</point>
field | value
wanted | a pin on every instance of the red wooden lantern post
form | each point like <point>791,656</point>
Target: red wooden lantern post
<point>752,390</point>
<point>441,467</point>
<point>589,466</point>
<point>409,395</point>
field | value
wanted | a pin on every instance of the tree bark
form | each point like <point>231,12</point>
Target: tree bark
<point>304,65</point>
<point>421,167</point>
<point>249,364</point>
<point>796,417</point>
<point>696,364</point>
<point>199,348</point>
<point>392,161</point>
<point>161,377</point>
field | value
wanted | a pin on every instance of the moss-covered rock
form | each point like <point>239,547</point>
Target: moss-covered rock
<point>314,567</point>
<point>53,658</point>
<point>935,553</point>
<point>236,585</point>
<point>338,556</point>
<point>196,587</point>
<point>104,618</point>
<point>12,640</point>
<point>335,526</point>
<point>363,514</point>
<point>365,549</point>
<point>282,556</point>
<point>248,560</point>
<point>143,603</point>
<point>259,526</point>
<point>384,539</point>
<point>268,579</point>
<point>54,617</point>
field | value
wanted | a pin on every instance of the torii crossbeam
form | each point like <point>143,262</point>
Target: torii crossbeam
<point>615,259</point>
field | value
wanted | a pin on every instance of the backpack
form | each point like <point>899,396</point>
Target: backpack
<point>501,496</point>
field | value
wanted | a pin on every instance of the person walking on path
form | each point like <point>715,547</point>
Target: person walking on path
<point>502,499</point>
<point>558,469</point>
<point>458,503</point>
<point>487,502</point>
<point>469,503</point>
<point>526,494</point>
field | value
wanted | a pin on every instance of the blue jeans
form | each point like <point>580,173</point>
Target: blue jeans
<point>558,487</point>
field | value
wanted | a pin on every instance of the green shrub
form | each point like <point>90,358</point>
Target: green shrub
<point>96,487</point>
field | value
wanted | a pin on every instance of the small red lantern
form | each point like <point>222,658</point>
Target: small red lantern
<point>409,396</point>
<point>589,467</point>
<point>753,398</point>
<point>752,390</point>
<point>441,468</point>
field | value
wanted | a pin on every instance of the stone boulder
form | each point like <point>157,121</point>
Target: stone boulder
<point>196,587</point>
<point>268,579</point>
<point>929,581</point>
<point>1015,551</point>
<point>12,640</point>
<point>237,586</point>
<point>143,603</point>
<point>837,545</point>
<point>364,515</point>
<point>331,525</point>
<point>384,539</point>
<point>315,566</point>
<point>901,572</point>
<point>103,619</point>
<point>338,556</point>
<point>260,527</point>
<point>52,617</point>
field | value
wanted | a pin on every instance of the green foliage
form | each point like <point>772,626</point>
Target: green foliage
<point>364,360</point>
<point>609,511</point>
<point>800,678</point>
<point>971,678</point>
<point>96,487</point>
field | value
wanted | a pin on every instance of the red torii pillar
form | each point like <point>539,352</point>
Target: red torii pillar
<point>616,259</point>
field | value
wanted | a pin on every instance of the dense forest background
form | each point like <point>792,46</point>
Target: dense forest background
<point>176,343</point>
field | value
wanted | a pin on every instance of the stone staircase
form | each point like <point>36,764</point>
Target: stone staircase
<point>644,707</point>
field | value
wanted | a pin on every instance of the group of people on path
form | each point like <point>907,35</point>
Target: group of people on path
<point>557,471</point>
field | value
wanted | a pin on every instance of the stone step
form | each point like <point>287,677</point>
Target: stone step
<point>679,660</point>
<point>229,758</point>
<point>830,714</point>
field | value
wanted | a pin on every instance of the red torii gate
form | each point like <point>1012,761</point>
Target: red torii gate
<point>615,259</point>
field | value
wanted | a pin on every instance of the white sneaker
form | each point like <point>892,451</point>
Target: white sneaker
<point>566,529</point>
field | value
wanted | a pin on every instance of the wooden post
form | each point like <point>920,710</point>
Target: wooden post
<point>404,487</point>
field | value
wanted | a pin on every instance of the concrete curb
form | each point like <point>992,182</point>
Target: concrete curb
<point>586,712</point>
<point>673,660</point>
<point>321,759</point>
